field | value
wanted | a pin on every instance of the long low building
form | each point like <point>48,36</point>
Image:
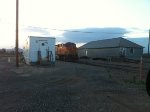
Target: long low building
<point>111,48</point>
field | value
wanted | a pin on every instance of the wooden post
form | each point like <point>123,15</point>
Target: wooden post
<point>141,68</point>
<point>17,14</point>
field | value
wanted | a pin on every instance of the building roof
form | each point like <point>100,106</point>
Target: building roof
<point>110,43</point>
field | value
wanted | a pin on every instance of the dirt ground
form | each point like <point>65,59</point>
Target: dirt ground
<point>69,87</point>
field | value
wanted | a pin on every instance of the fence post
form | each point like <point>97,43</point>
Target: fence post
<point>141,68</point>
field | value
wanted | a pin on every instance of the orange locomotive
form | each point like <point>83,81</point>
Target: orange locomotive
<point>67,51</point>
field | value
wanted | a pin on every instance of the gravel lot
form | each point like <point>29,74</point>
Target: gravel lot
<point>69,87</point>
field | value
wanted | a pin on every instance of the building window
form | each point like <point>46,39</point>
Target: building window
<point>86,52</point>
<point>43,44</point>
<point>122,52</point>
<point>131,50</point>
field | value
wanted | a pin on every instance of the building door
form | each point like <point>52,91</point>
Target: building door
<point>43,49</point>
<point>123,52</point>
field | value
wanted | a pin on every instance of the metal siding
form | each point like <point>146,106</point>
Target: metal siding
<point>138,52</point>
<point>100,53</point>
<point>33,47</point>
<point>33,50</point>
<point>52,47</point>
<point>81,52</point>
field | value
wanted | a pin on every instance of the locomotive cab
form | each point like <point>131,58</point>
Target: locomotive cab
<point>67,52</point>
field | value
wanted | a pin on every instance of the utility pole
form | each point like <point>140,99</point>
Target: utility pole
<point>17,14</point>
<point>149,42</point>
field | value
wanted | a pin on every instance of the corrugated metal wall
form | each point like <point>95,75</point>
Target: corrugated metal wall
<point>137,53</point>
<point>110,52</point>
<point>99,53</point>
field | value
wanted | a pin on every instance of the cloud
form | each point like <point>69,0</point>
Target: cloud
<point>26,31</point>
<point>36,31</point>
<point>82,36</point>
<point>91,34</point>
<point>137,32</point>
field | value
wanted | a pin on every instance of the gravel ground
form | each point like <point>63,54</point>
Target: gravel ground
<point>69,87</point>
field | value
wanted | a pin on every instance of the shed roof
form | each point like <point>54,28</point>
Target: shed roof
<point>110,43</point>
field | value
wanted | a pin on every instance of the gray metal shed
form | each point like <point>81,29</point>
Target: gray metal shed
<point>108,48</point>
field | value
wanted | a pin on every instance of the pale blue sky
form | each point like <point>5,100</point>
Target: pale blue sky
<point>38,17</point>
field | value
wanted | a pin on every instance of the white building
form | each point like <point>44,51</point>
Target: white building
<point>39,50</point>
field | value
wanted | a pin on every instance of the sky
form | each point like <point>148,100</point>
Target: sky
<point>78,21</point>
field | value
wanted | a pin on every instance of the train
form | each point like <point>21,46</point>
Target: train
<point>66,52</point>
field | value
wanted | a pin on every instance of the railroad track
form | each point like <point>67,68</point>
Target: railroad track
<point>126,67</point>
